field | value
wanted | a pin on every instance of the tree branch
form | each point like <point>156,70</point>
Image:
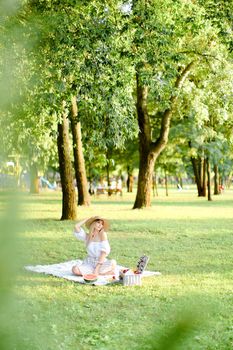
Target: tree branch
<point>143,116</point>
<point>166,118</point>
<point>205,55</point>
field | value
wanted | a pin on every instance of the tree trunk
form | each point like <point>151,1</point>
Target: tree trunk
<point>208,178</point>
<point>69,207</point>
<point>203,177</point>
<point>146,169</point>
<point>196,175</point>
<point>129,181</point>
<point>34,179</point>
<point>181,181</point>
<point>199,169</point>
<point>108,178</point>
<point>228,181</point>
<point>216,180</point>
<point>108,156</point>
<point>154,186</point>
<point>149,150</point>
<point>79,162</point>
<point>166,184</point>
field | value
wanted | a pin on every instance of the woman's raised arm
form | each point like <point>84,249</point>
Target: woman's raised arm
<point>79,224</point>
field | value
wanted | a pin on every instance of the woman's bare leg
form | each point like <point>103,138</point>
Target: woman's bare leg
<point>76,271</point>
<point>111,269</point>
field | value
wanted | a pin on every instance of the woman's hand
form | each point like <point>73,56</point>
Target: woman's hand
<point>79,224</point>
<point>99,263</point>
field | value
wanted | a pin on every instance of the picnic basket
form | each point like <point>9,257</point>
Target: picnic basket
<point>134,278</point>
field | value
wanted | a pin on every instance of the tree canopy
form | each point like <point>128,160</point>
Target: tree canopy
<point>137,67</point>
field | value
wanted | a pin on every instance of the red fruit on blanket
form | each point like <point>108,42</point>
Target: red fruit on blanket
<point>90,278</point>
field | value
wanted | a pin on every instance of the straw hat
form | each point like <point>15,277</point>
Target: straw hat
<point>94,218</point>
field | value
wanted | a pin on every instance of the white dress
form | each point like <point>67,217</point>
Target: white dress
<point>94,250</point>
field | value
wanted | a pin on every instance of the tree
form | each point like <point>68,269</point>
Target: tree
<point>80,170</point>
<point>219,12</point>
<point>159,43</point>
<point>82,61</point>
<point>68,194</point>
<point>128,159</point>
<point>25,126</point>
<point>150,150</point>
<point>205,120</point>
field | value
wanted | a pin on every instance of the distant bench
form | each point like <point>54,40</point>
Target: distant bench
<point>109,191</point>
<point>114,191</point>
<point>100,191</point>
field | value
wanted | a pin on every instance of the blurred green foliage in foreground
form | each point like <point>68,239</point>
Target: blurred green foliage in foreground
<point>10,227</point>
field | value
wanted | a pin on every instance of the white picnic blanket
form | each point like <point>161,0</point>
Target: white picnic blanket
<point>64,270</point>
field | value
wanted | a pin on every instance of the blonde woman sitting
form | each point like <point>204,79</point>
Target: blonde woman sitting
<point>97,246</point>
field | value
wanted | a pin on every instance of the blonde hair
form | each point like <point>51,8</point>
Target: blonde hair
<point>91,231</point>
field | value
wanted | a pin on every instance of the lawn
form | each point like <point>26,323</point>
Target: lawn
<point>190,306</point>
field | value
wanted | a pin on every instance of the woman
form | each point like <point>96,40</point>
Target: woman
<point>98,248</point>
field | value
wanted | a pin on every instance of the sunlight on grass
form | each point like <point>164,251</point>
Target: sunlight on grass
<point>188,240</point>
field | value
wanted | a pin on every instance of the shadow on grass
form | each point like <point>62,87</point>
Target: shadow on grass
<point>199,202</point>
<point>157,227</point>
<point>42,201</point>
<point>45,221</point>
<point>152,226</point>
<point>113,202</point>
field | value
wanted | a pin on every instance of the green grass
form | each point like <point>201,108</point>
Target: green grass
<point>190,306</point>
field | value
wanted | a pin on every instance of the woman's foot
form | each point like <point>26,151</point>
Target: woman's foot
<point>76,271</point>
